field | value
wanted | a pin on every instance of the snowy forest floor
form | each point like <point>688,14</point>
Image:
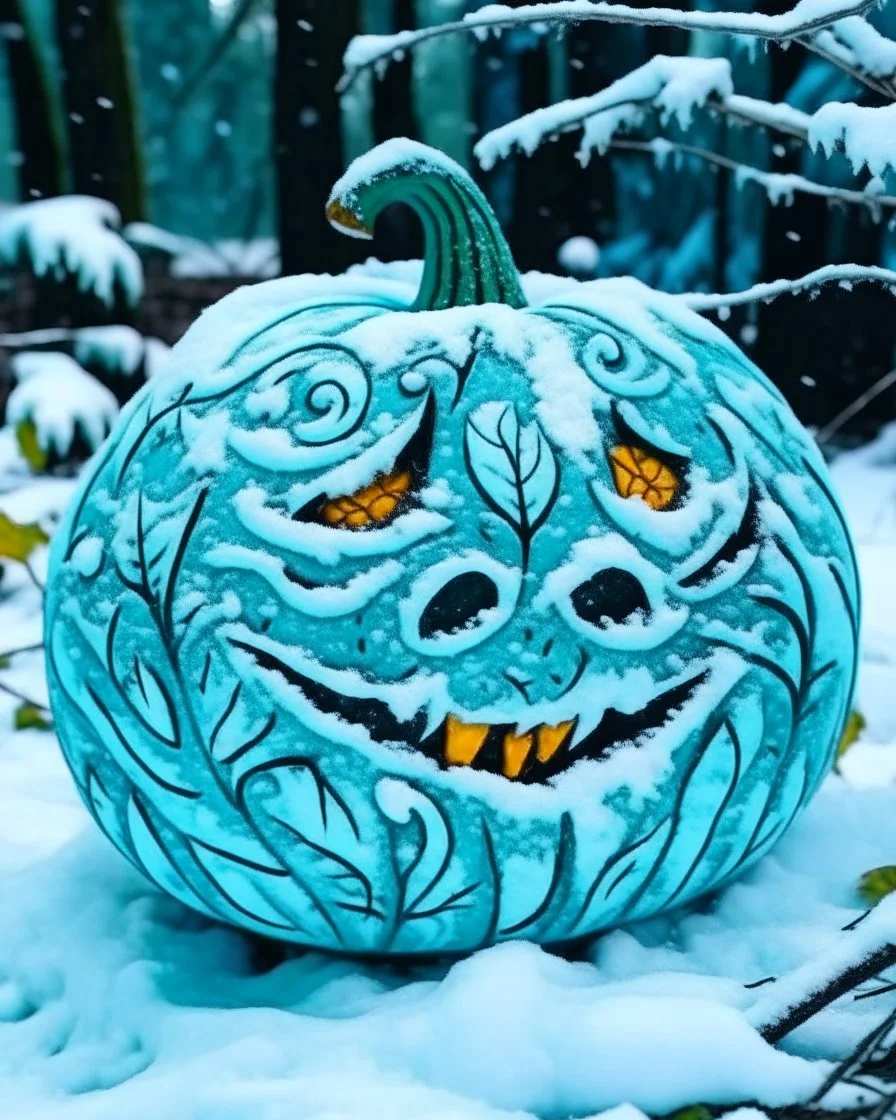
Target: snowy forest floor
<point>115,1002</point>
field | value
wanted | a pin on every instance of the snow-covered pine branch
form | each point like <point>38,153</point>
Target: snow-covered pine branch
<point>73,235</point>
<point>61,400</point>
<point>805,18</point>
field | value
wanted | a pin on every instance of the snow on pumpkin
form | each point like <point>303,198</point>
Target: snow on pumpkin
<point>418,620</point>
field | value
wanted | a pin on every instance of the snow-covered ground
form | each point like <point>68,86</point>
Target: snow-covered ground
<point>115,1002</point>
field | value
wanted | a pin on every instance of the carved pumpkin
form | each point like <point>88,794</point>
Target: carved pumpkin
<point>400,625</point>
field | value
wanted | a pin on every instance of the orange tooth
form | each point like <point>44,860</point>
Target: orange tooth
<point>463,741</point>
<point>550,739</point>
<point>516,751</point>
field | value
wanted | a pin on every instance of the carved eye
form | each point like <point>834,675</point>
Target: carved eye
<point>373,505</point>
<point>638,472</point>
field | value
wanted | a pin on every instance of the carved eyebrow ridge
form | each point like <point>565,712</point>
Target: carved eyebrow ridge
<point>743,536</point>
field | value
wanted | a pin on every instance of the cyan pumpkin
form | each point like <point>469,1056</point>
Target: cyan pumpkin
<point>407,624</point>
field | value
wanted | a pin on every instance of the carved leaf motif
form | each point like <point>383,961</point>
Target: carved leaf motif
<point>513,467</point>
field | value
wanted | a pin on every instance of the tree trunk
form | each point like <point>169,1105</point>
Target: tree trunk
<point>39,134</point>
<point>102,124</point>
<point>311,38</point>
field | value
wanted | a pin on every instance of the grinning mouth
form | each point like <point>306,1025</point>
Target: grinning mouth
<point>530,757</point>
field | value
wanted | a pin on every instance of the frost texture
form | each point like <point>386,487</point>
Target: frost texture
<point>270,717</point>
<point>75,235</point>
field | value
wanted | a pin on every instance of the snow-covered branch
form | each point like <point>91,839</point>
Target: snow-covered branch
<point>859,49</point>
<point>73,235</point>
<point>778,187</point>
<point>672,88</point>
<point>61,399</point>
<point>804,18</point>
<point>857,956</point>
<point>846,275</point>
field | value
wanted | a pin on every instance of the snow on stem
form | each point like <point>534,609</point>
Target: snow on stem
<point>844,274</point>
<point>366,52</point>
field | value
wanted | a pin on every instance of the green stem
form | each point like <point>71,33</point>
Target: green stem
<point>466,260</point>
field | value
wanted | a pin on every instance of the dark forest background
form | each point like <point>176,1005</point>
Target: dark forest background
<point>218,121</point>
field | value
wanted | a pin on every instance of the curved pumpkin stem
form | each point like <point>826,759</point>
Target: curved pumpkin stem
<point>466,259</point>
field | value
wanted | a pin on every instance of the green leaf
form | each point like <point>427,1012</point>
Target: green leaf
<point>692,1112</point>
<point>855,725</point>
<point>26,436</point>
<point>18,541</point>
<point>878,883</point>
<point>30,716</point>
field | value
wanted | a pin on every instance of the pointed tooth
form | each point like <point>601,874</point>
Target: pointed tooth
<point>516,751</point>
<point>463,741</point>
<point>550,739</point>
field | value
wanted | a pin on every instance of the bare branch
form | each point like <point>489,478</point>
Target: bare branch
<point>854,958</point>
<point>367,52</point>
<point>844,274</point>
<point>778,187</point>
<point>843,417</point>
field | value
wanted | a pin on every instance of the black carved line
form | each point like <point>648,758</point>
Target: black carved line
<point>565,850</point>
<point>225,715</point>
<point>808,595</point>
<point>799,628</point>
<point>723,439</point>
<point>324,788</point>
<point>354,873</point>
<point>771,799</point>
<point>524,530</point>
<point>261,735</point>
<point>464,371</point>
<point>779,826</point>
<point>408,912</point>
<point>152,828</point>
<point>608,867</point>
<point>343,349</point>
<point>135,446</point>
<point>743,537</point>
<point>450,903</point>
<point>231,901</point>
<point>623,874</point>
<point>819,673</point>
<point>838,513</point>
<point>174,743</point>
<point>495,875</point>
<point>295,313</point>
<point>168,602</point>
<point>181,791</point>
<point>709,734</point>
<point>206,668</point>
<point>723,805</point>
<point>766,663</point>
<point>233,857</point>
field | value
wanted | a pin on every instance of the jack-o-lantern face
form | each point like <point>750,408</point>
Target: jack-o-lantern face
<point>401,626</point>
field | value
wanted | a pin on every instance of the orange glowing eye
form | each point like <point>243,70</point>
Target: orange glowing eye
<point>640,473</point>
<point>372,504</point>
